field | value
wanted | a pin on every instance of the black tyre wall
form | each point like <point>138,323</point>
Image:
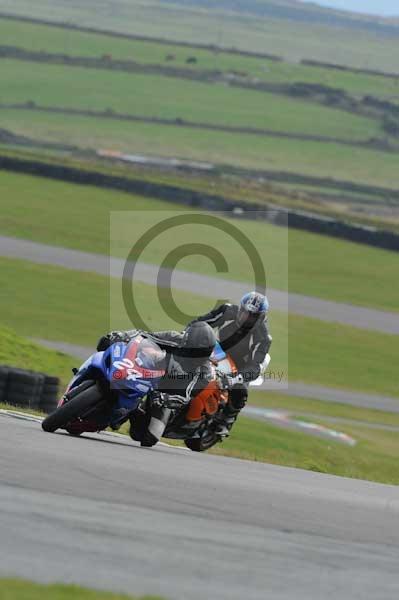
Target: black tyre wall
<point>24,388</point>
<point>50,394</point>
<point>28,389</point>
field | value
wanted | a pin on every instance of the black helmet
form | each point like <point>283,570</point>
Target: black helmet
<point>198,341</point>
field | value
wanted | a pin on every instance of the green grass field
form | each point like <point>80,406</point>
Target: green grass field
<point>169,98</point>
<point>60,41</point>
<point>361,165</point>
<point>317,265</point>
<point>16,589</point>
<point>374,457</point>
<point>74,307</point>
<point>282,37</point>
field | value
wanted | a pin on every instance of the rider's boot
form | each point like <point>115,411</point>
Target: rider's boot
<point>159,417</point>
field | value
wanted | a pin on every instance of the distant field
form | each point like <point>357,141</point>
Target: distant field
<point>164,97</point>
<point>59,214</point>
<point>282,37</point>
<point>248,151</point>
<point>61,41</point>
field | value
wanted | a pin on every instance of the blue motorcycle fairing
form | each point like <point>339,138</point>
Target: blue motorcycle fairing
<point>131,389</point>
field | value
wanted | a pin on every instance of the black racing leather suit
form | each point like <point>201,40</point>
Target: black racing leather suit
<point>248,349</point>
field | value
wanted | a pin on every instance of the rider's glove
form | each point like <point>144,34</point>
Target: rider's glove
<point>107,340</point>
<point>232,381</point>
<point>157,398</point>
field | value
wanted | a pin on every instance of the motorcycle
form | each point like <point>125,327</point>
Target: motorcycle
<point>126,375</point>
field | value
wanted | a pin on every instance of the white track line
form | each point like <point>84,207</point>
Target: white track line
<point>35,418</point>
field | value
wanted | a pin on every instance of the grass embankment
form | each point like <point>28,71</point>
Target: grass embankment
<point>16,589</point>
<point>77,217</point>
<point>17,351</point>
<point>74,307</point>
<point>316,159</point>
<point>290,38</point>
<point>55,40</point>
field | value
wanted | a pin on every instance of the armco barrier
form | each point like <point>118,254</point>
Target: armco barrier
<point>275,214</point>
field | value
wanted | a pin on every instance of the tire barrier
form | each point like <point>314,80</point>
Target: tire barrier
<point>28,389</point>
<point>49,396</point>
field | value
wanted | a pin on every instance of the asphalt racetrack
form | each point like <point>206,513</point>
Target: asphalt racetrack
<point>102,512</point>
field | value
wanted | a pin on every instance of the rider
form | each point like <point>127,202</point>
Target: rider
<point>243,334</point>
<point>188,372</point>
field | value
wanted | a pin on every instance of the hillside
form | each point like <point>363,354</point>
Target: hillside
<point>287,28</point>
<point>293,10</point>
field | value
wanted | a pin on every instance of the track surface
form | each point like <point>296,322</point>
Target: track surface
<point>300,390</point>
<point>107,514</point>
<point>202,285</point>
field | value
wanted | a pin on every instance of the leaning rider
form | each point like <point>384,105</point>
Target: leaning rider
<point>188,372</point>
<point>243,334</point>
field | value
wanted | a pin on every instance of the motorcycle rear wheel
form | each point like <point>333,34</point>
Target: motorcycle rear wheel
<point>72,409</point>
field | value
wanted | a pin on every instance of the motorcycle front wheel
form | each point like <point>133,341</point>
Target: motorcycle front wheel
<point>74,408</point>
<point>203,443</point>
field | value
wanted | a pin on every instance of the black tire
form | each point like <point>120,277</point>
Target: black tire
<point>49,401</point>
<point>50,394</point>
<point>51,381</point>
<point>203,443</point>
<point>24,388</point>
<point>74,408</point>
<point>48,407</point>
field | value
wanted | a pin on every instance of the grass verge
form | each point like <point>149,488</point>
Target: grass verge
<point>306,406</point>
<point>16,589</point>
<point>373,458</point>
<point>17,351</point>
